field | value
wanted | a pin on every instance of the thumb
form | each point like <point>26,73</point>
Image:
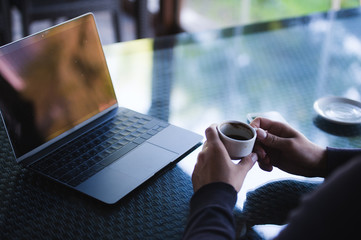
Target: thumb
<point>247,162</point>
<point>269,139</point>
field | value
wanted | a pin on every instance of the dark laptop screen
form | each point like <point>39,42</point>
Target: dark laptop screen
<point>52,81</point>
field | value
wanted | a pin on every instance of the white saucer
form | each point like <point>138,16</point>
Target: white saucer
<point>339,110</point>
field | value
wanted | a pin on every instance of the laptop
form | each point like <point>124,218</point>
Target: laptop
<point>62,118</point>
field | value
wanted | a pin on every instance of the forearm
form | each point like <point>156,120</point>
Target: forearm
<point>211,213</point>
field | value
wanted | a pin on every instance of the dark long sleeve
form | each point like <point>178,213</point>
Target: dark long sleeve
<point>333,210</point>
<point>337,157</point>
<point>330,212</point>
<point>211,213</point>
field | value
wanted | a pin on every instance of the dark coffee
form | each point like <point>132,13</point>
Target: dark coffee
<point>238,137</point>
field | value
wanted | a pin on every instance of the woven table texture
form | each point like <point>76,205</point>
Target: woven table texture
<point>33,207</point>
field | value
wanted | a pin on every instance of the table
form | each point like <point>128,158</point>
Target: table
<point>193,80</point>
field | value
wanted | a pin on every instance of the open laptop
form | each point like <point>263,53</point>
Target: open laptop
<point>62,118</point>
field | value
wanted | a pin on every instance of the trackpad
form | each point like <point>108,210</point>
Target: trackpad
<point>109,185</point>
<point>144,161</point>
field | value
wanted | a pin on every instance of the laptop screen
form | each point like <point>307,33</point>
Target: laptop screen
<point>53,81</point>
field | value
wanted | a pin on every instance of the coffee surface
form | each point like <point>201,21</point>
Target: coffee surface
<point>237,137</point>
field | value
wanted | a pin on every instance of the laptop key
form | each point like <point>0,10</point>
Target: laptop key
<point>150,124</point>
<point>85,175</point>
<point>146,136</point>
<point>115,156</point>
<point>139,140</point>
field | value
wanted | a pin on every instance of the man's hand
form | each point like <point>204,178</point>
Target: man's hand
<point>215,165</point>
<point>280,145</point>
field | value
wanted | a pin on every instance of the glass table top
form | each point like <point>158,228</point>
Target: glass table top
<point>194,80</point>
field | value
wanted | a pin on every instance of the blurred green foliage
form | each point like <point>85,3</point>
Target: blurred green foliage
<point>234,12</point>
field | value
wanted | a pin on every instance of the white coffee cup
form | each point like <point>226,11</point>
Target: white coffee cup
<point>237,137</point>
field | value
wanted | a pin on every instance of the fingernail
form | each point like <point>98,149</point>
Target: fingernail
<point>261,134</point>
<point>254,157</point>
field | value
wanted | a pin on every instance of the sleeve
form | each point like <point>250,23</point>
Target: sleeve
<point>337,157</point>
<point>331,211</point>
<point>211,213</point>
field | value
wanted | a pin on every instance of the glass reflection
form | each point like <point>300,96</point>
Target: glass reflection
<point>216,75</point>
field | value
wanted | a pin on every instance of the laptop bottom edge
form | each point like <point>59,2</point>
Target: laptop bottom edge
<point>114,183</point>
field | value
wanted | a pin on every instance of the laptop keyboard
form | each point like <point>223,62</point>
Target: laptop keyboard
<point>83,157</point>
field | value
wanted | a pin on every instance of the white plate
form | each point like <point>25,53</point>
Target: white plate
<point>339,110</point>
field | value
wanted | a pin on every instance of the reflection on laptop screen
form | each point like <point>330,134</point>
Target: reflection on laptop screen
<point>51,82</point>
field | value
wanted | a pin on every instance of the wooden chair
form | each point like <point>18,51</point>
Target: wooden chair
<point>5,22</point>
<point>32,10</point>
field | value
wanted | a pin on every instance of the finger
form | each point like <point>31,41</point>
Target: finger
<point>274,127</point>
<point>260,122</point>
<point>271,140</point>
<point>200,158</point>
<point>258,149</point>
<point>204,146</point>
<point>195,180</point>
<point>247,162</point>
<point>212,133</point>
<point>213,140</point>
<point>256,123</point>
<point>264,161</point>
<point>266,123</point>
<point>197,168</point>
<point>265,164</point>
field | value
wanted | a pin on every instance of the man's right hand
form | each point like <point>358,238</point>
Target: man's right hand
<point>280,145</point>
